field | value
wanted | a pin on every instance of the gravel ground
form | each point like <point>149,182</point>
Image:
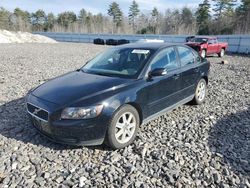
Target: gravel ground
<point>192,146</point>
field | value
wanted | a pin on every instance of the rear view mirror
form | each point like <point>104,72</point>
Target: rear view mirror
<point>157,72</point>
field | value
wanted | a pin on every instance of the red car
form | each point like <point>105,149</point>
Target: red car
<point>208,46</point>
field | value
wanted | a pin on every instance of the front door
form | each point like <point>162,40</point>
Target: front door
<point>162,91</point>
<point>212,46</point>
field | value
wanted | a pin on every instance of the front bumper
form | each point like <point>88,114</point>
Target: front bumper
<point>71,132</point>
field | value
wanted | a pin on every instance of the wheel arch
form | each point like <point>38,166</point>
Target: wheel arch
<point>138,108</point>
<point>205,78</point>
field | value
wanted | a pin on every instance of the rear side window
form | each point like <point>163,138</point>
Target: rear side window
<point>166,58</point>
<point>186,56</point>
<point>210,41</point>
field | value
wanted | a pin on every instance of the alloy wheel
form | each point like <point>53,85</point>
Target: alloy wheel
<point>222,52</point>
<point>125,127</point>
<point>203,53</point>
<point>201,91</point>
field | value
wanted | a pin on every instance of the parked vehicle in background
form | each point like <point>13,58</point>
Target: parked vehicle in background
<point>208,46</point>
<point>109,97</point>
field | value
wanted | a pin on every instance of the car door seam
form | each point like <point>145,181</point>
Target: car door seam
<point>154,102</point>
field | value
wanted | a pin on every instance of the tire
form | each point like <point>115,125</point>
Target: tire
<point>122,41</point>
<point>119,135</point>
<point>222,52</point>
<point>203,53</point>
<point>111,42</point>
<point>200,92</point>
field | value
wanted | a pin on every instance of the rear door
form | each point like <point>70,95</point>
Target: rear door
<point>162,91</point>
<point>190,71</point>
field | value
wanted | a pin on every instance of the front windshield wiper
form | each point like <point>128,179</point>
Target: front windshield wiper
<point>100,73</point>
<point>81,70</point>
<point>97,73</point>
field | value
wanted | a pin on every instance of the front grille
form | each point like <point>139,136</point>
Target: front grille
<point>38,112</point>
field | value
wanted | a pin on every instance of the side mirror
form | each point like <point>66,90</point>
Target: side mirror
<point>157,72</point>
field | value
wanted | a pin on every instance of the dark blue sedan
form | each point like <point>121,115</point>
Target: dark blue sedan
<point>107,99</point>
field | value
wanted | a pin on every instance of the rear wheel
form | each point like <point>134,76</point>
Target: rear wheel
<point>200,92</point>
<point>123,128</point>
<point>222,52</point>
<point>203,53</point>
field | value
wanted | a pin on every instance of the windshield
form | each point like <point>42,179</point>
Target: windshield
<point>199,40</point>
<point>127,62</point>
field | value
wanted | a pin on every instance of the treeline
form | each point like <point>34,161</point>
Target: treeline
<point>223,17</point>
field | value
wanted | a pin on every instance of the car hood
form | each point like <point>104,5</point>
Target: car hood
<point>74,86</point>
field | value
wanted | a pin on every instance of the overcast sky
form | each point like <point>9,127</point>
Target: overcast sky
<point>94,6</point>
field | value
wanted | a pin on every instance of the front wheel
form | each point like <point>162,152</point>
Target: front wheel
<point>200,92</point>
<point>123,127</point>
<point>203,53</point>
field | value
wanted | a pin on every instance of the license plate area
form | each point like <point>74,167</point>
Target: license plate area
<point>41,125</point>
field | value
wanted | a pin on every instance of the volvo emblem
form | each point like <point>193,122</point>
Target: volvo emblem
<point>36,111</point>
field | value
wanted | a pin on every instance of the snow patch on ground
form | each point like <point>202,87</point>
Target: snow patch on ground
<point>23,37</point>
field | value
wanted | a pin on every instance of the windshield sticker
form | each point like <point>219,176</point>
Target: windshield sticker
<point>136,51</point>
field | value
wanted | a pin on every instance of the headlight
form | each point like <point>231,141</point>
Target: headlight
<point>81,113</point>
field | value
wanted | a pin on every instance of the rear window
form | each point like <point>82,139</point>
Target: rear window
<point>200,40</point>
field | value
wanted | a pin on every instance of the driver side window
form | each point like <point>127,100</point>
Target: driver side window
<point>166,58</point>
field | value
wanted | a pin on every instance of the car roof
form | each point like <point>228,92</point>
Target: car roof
<point>148,45</point>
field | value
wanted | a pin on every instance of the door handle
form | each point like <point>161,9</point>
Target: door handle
<point>176,76</point>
